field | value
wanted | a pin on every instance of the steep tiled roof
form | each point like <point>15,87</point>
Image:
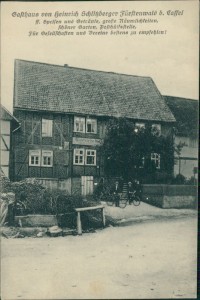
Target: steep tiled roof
<point>186,114</point>
<point>40,86</point>
<point>6,115</point>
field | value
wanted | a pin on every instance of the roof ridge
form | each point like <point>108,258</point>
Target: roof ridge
<point>84,69</point>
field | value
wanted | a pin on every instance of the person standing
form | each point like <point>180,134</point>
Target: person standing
<point>116,190</point>
<point>130,192</point>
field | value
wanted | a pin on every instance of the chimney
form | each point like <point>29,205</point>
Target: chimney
<point>66,65</point>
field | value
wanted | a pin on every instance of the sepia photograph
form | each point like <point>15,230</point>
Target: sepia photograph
<point>99,149</point>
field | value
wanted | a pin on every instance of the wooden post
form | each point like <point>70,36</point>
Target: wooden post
<point>79,227</point>
<point>103,217</point>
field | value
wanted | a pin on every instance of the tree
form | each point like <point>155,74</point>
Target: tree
<point>127,149</point>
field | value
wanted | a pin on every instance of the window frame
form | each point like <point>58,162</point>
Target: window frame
<point>86,156</point>
<point>83,155</point>
<point>49,156</point>
<point>158,127</point>
<point>49,128</point>
<point>31,155</point>
<point>156,159</point>
<point>76,118</point>
<point>93,121</point>
<point>139,126</point>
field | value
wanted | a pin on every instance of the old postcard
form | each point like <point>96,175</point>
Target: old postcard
<point>99,149</point>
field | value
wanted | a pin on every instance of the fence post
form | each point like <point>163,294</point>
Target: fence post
<point>79,227</point>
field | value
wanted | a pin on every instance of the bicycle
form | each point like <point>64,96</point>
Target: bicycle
<point>113,199</point>
<point>131,199</point>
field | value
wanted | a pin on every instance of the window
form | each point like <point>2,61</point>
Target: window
<point>78,156</point>
<point>42,158</point>
<point>156,158</point>
<point>91,157</point>
<point>156,129</point>
<point>91,125</point>
<point>84,157</point>
<point>47,128</point>
<point>47,158</point>
<point>83,125</point>
<point>139,126</point>
<point>79,124</point>
<point>34,157</point>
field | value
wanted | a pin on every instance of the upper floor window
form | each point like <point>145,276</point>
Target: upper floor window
<point>79,124</point>
<point>47,158</point>
<point>83,125</point>
<point>47,126</point>
<point>91,125</point>
<point>156,129</point>
<point>139,126</point>
<point>155,157</point>
<point>34,157</point>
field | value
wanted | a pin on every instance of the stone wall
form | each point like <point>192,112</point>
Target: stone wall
<point>170,196</point>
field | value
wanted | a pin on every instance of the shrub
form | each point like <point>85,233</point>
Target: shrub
<point>163,177</point>
<point>33,198</point>
<point>191,181</point>
<point>4,184</point>
<point>179,179</point>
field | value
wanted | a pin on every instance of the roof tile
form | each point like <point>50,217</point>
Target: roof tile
<point>41,86</point>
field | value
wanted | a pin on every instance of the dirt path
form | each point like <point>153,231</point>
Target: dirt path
<point>148,260</point>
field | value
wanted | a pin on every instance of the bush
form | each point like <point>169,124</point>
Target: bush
<point>163,177</point>
<point>103,190</point>
<point>5,184</point>
<point>191,181</point>
<point>33,198</point>
<point>179,179</point>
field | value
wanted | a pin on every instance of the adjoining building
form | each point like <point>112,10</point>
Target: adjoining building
<point>63,113</point>
<point>8,124</point>
<point>186,114</point>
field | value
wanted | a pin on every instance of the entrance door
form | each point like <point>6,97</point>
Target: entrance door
<point>86,185</point>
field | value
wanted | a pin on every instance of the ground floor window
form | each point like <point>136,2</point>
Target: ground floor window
<point>34,157</point>
<point>78,156</point>
<point>91,157</point>
<point>47,158</point>
<point>42,158</point>
<point>85,157</point>
<point>155,157</point>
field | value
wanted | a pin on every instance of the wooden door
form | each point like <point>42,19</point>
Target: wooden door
<point>87,185</point>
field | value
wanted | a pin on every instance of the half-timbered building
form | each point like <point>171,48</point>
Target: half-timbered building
<point>8,124</point>
<point>186,113</point>
<point>63,113</point>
